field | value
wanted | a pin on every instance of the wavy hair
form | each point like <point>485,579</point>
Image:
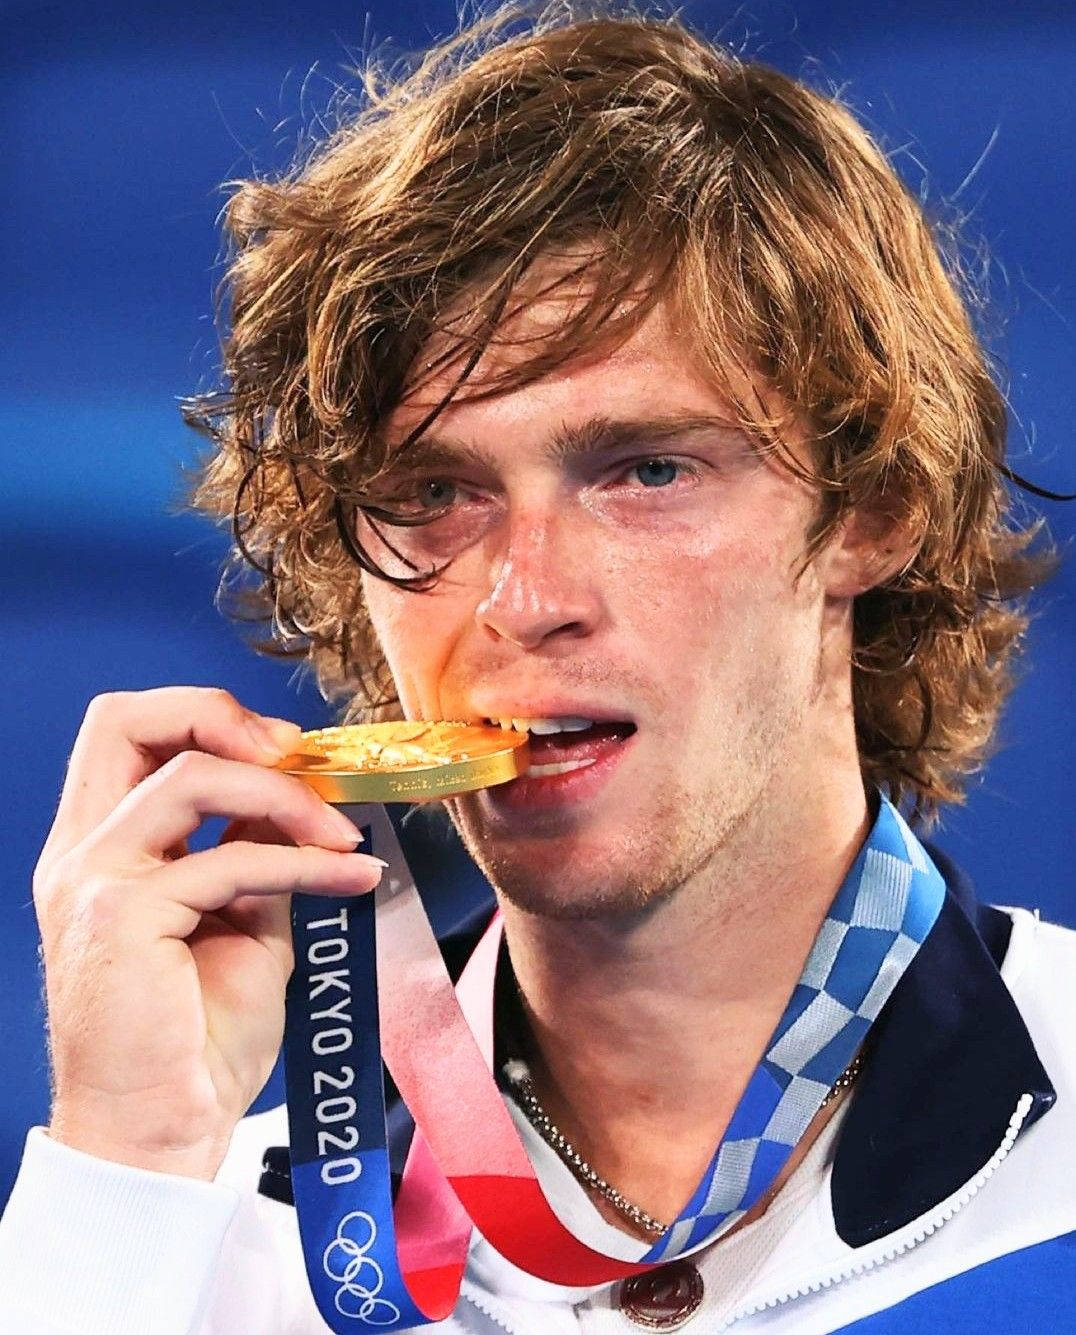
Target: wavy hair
<point>759,209</point>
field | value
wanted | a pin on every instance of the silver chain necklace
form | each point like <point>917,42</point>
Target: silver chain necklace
<point>519,1077</point>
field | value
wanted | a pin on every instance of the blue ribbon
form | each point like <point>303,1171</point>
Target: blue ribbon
<point>336,1114</point>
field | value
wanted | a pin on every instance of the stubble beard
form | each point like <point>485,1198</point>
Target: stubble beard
<point>687,835</point>
<point>622,881</point>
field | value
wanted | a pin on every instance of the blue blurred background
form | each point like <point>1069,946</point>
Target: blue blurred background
<point>118,121</point>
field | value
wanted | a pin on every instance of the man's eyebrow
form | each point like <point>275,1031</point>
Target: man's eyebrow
<point>596,435</point>
<point>436,451</point>
<point>600,434</point>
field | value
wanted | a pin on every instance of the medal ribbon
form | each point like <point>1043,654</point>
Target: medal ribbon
<point>369,982</point>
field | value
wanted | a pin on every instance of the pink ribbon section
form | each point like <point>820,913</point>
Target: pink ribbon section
<point>467,1162</point>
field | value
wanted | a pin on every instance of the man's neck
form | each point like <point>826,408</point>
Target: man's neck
<point>646,1030</point>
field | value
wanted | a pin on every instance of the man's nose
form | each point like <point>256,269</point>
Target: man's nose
<point>542,584</point>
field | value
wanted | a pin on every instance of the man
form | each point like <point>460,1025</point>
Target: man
<point>603,386</point>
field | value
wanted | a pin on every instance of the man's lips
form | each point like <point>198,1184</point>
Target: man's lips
<point>565,769</point>
<point>586,746</point>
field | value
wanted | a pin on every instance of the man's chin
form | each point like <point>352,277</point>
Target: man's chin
<point>551,880</point>
<point>560,875</point>
<point>569,899</point>
<point>589,865</point>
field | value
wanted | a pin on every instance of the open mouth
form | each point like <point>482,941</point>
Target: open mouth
<point>562,745</point>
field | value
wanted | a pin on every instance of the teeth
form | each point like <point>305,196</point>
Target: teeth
<point>543,727</point>
<point>540,771</point>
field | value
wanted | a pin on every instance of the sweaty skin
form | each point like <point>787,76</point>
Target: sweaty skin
<point>658,908</point>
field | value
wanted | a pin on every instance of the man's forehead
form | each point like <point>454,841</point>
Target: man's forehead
<point>650,388</point>
<point>636,377</point>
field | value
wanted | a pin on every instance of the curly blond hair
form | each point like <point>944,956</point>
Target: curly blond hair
<point>759,209</point>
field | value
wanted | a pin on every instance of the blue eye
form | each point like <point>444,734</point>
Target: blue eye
<point>656,472</point>
<point>435,493</point>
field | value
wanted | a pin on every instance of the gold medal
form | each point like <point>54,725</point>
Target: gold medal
<point>406,762</point>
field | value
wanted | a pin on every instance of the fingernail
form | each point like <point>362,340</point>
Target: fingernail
<point>368,857</point>
<point>275,736</point>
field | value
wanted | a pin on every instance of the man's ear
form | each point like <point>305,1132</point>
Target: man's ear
<point>867,550</point>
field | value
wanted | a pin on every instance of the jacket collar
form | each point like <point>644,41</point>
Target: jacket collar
<point>949,1058</point>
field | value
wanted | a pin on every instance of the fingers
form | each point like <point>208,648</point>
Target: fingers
<point>127,735</point>
<point>239,873</point>
<point>266,918</point>
<point>171,804</point>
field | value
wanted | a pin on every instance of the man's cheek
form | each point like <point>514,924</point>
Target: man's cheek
<point>697,597</point>
<point>411,645</point>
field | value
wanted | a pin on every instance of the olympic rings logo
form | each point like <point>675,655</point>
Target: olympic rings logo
<point>359,1276</point>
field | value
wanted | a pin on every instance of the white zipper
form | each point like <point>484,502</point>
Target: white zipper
<point>916,1232</point>
<point>487,1311</point>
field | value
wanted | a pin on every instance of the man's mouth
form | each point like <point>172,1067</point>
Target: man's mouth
<point>563,744</point>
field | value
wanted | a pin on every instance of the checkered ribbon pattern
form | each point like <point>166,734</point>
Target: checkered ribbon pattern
<point>880,917</point>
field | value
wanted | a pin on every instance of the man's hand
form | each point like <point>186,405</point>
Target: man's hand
<point>165,970</point>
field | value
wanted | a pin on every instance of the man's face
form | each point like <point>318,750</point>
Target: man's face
<point>617,552</point>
